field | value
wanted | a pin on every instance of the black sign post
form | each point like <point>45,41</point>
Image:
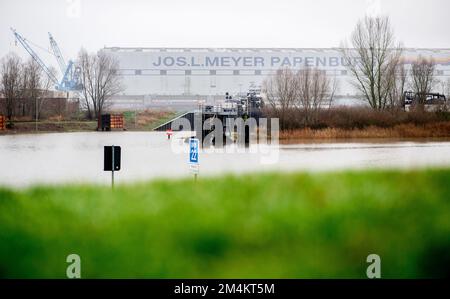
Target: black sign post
<point>112,160</point>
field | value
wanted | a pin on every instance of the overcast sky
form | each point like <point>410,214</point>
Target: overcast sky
<point>94,24</point>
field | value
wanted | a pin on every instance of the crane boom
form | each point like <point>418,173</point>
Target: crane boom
<point>71,73</point>
<point>33,54</point>
<point>57,53</point>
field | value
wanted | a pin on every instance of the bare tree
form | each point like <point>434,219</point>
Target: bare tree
<point>46,85</point>
<point>100,80</point>
<point>422,78</point>
<point>281,91</point>
<point>447,94</point>
<point>333,89</point>
<point>307,90</point>
<point>373,58</point>
<point>32,80</point>
<point>37,86</point>
<point>11,83</point>
<point>447,89</point>
<point>315,90</point>
<point>395,95</point>
<point>34,84</point>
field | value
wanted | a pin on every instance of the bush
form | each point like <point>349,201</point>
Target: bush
<point>353,118</point>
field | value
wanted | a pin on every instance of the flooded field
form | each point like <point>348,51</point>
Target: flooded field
<point>78,157</point>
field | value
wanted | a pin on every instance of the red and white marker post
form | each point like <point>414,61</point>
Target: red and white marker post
<point>169,133</point>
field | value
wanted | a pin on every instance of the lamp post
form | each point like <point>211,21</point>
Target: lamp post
<point>36,116</point>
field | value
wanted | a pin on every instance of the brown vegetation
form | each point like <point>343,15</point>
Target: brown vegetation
<point>29,127</point>
<point>360,122</point>
<point>430,130</point>
<point>146,120</point>
<point>53,107</point>
<point>356,118</point>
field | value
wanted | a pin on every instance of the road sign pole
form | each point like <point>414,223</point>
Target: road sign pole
<point>111,161</point>
<point>112,171</point>
<point>193,156</point>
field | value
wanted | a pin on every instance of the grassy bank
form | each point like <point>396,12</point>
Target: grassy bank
<point>353,117</point>
<point>272,225</point>
<point>361,122</point>
<point>48,126</point>
<point>145,120</point>
<point>411,130</point>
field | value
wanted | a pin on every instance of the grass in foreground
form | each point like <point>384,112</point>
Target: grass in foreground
<point>271,225</point>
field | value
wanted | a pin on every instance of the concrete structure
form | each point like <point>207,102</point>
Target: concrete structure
<point>175,77</point>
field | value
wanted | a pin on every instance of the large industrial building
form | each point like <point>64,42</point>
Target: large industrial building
<point>181,76</point>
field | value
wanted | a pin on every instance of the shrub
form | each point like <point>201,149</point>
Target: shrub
<point>353,118</point>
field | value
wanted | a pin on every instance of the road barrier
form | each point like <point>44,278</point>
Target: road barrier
<point>2,123</point>
<point>112,121</point>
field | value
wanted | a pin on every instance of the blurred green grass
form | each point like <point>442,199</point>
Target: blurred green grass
<point>320,225</point>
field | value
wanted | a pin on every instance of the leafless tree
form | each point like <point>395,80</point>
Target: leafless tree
<point>47,86</point>
<point>281,91</point>
<point>32,76</point>
<point>447,94</point>
<point>100,80</point>
<point>447,89</point>
<point>372,59</point>
<point>334,88</point>
<point>315,90</point>
<point>305,91</point>
<point>11,83</point>
<point>444,86</point>
<point>395,95</point>
<point>37,86</point>
<point>422,78</point>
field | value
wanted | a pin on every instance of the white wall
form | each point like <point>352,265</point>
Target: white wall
<point>190,72</point>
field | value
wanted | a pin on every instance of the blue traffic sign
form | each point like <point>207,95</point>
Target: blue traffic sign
<point>193,150</point>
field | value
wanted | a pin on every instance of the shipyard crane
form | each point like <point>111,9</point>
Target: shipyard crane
<point>36,57</point>
<point>71,74</point>
<point>57,53</point>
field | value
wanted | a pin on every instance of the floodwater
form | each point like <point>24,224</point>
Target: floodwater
<point>78,157</point>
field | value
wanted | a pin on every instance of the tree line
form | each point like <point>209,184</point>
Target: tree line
<point>378,70</point>
<point>25,84</point>
<point>374,60</point>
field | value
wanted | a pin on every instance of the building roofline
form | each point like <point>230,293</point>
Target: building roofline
<point>255,49</point>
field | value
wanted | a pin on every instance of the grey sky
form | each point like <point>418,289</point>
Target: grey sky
<point>94,24</point>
